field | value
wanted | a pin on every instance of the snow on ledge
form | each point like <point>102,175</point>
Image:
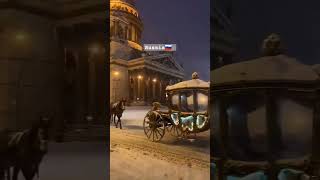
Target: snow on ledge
<point>269,68</point>
<point>193,83</point>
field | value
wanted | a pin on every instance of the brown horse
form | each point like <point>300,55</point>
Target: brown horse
<point>116,110</point>
<point>25,150</point>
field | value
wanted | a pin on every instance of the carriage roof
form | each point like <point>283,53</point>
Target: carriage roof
<point>194,83</point>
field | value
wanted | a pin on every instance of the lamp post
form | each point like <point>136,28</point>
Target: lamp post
<point>154,81</point>
<point>140,77</point>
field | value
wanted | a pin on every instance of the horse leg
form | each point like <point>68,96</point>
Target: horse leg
<point>15,173</point>
<point>2,174</point>
<point>27,172</point>
<point>119,121</point>
<point>114,120</point>
<point>110,118</point>
<point>8,173</point>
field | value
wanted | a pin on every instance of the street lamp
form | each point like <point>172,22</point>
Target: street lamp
<point>20,36</point>
<point>95,49</point>
<point>116,73</point>
<point>154,80</point>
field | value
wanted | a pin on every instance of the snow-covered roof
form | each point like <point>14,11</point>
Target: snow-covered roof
<point>268,68</point>
<point>193,83</point>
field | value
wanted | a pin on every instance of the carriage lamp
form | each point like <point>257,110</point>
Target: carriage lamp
<point>154,80</point>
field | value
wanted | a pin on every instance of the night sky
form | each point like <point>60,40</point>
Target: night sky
<point>182,22</point>
<point>296,22</point>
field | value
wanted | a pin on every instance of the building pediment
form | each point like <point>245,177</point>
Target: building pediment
<point>163,63</point>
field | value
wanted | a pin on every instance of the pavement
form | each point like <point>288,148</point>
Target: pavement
<point>75,161</point>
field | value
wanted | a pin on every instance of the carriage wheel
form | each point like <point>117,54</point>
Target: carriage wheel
<point>175,130</point>
<point>154,128</point>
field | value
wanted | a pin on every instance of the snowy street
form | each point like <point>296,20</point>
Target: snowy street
<point>74,161</point>
<point>134,157</point>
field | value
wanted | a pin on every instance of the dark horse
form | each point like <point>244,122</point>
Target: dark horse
<point>25,150</point>
<point>116,109</point>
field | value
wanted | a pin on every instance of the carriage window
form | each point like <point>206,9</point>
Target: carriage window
<point>295,119</point>
<point>187,104</point>
<point>247,127</point>
<point>175,102</point>
<point>202,102</point>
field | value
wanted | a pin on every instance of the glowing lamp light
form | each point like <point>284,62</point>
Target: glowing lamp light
<point>20,36</point>
<point>95,49</point>
<point>140,77</point>
<point>154,80</point>
<point>116,73</point>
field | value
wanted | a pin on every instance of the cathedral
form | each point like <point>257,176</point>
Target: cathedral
<point>136,75</point>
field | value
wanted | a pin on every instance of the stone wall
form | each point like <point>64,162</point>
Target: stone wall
<point>30,69</point>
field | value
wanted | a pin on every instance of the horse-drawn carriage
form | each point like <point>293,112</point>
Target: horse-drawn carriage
<point>187,111</point>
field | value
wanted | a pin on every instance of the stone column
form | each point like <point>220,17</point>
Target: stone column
<point>133,33</point>
<point>112,32</point>
<point>160,90</point>
<point>139,88</point>
<point>127,32</point>
<point>135,85</point>
<point>130,32</point>
<point>143,87</point>
<point>92,84</point>
<point>148,89</point>
<point>154,90</point>
<point>116,23</point>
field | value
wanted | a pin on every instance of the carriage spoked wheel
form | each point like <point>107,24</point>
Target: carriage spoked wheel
<point>175,131</point>
<point>154,127</point>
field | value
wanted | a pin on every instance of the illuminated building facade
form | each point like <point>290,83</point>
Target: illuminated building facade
<point>135,75</point>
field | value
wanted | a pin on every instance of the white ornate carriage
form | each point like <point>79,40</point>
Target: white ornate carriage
<point>187,111</point>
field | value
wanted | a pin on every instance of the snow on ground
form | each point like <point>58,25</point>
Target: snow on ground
<point>134,165</point>
<point>134,157</point>
<point>75,161</point>
<point>134,115</point>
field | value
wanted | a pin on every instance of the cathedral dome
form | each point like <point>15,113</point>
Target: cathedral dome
<point>131,2</point>
<point>125,27</point>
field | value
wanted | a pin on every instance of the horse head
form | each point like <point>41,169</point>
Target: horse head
<point>40,134</point>
<point>122,104</point>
